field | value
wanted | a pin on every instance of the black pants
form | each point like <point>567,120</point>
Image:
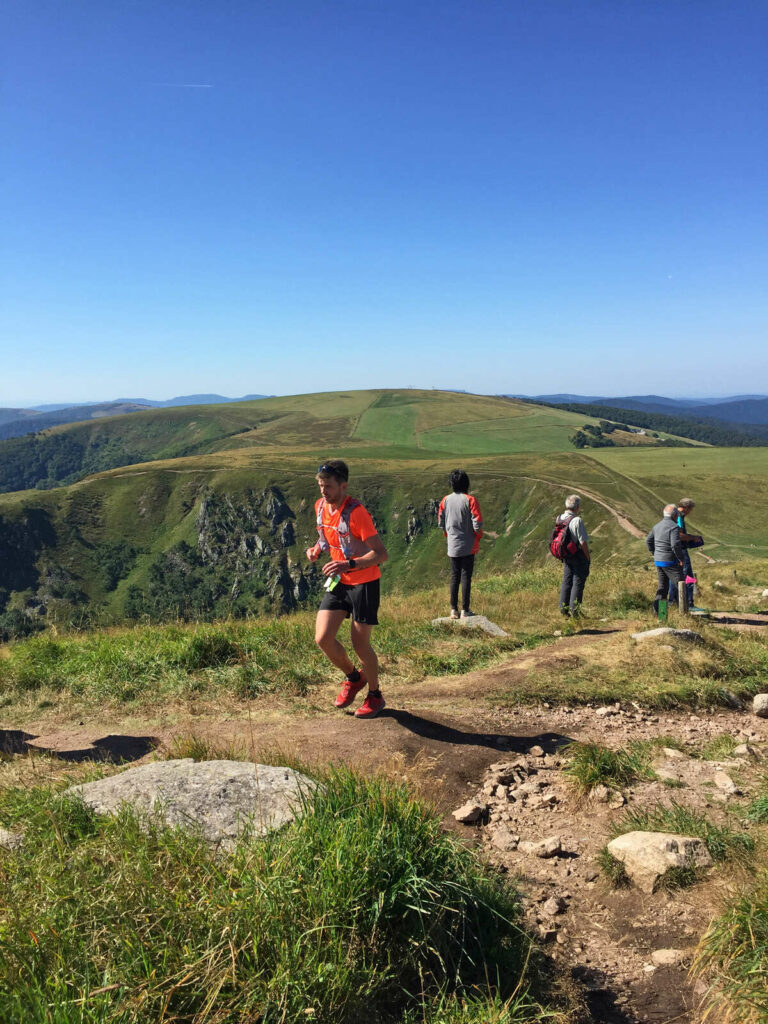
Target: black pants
<point>669,577</point>
<point>575,572</point>
<point>461,568</point>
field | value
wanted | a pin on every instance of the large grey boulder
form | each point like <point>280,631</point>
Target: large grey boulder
<point>472,622</point>
<point>218,798</point>
<point>672,634</point>
<point>760,705</point>
<point>648,856</point>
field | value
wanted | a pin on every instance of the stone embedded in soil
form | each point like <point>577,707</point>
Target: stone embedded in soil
<point>746,750</point>
<point>220,799</point>
<point>473,622</point>
<point>673,634</point>
<point>553,906</point>
<point>668,957</point>
<point>760,705</point>
<point>536,751</point>
<point>469,812</point>
<point>725,783</point>
<point>505,840</point>
<point>11,840</point>
<point>543,848</point>
<point>673,754</point>
<point>648,856</point>
<point>603,794</point>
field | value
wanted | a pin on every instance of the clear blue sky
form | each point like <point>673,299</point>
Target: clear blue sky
<point>275,197</point>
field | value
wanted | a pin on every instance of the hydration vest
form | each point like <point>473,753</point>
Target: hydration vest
<point>351,546</point>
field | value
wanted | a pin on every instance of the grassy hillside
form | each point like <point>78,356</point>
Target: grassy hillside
<point>407,421</point>
<point>219,524</point>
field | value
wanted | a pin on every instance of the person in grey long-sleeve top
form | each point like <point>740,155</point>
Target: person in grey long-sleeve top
<point>667,549</point>
<point>460,518</point>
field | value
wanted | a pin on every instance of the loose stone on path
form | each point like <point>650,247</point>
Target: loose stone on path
<point>472,622</point>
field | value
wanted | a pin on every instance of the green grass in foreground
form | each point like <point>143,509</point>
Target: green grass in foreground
<point>364,909</point>
<point>734,951</point>
<point>734,954</point>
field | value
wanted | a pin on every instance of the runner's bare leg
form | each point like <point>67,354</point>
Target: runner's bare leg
<point>326,627</point>
<point>361,641</point>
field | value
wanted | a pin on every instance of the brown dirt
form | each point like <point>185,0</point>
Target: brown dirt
<point>444,737</point>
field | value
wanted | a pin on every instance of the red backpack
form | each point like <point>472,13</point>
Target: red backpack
<point>561,543</point>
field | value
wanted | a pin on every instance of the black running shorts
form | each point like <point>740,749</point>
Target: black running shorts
<point>360,601</point>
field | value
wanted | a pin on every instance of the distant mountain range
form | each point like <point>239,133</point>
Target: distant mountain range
<point>743,409</point>
<point>16,422</point>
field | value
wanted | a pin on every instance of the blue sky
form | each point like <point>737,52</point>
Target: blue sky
<point>517,196</point>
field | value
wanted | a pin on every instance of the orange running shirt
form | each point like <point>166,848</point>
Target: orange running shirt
<point>361,526</point>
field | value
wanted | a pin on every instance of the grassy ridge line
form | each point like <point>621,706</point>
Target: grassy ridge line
<point>474,424</point>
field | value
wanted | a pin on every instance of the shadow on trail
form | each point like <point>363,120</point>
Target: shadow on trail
<point>110,749</point>
<point>601,1001</point>
<point>14,741</point>
<point>429,729</point>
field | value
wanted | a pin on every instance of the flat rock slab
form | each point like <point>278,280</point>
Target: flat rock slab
<point>648,856</point>
<point>219,798</point>
<point>472,622</point>
<point>667,631</point>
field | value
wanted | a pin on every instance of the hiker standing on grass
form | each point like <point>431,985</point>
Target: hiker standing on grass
<point>666,547</point>
<point>460,519</point>
<point>352,577</point>
<point>576,556</point>
<point>688,540</point>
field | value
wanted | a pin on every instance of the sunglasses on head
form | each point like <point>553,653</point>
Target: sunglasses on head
<point>325,470</point>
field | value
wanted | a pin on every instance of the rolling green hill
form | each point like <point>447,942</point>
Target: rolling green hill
<point>217,523</point>
<point>435,421</point>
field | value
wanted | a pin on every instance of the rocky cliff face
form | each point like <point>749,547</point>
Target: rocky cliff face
<point>249,538</point>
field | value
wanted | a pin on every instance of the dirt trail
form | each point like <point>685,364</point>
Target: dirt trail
<point>622,520</point>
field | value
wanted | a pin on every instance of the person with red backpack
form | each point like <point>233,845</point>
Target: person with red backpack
<point>347,533</point>
<point>570,543</point>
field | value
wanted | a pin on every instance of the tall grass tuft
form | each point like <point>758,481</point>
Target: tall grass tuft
<point>591,764</point>
<point>363,909</point>
<point>723,842</point>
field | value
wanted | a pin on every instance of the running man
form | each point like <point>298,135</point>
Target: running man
<point>352,575</point>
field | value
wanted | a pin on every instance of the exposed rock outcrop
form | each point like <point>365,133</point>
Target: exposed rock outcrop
<point>218,798</point>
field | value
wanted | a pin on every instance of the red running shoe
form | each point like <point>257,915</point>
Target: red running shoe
<point>370,707</point>
<point>349,691</point>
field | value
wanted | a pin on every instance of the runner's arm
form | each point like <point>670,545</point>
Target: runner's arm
<point>376,555</point>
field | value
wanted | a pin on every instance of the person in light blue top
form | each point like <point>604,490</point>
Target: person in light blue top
<point>688,540</point>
